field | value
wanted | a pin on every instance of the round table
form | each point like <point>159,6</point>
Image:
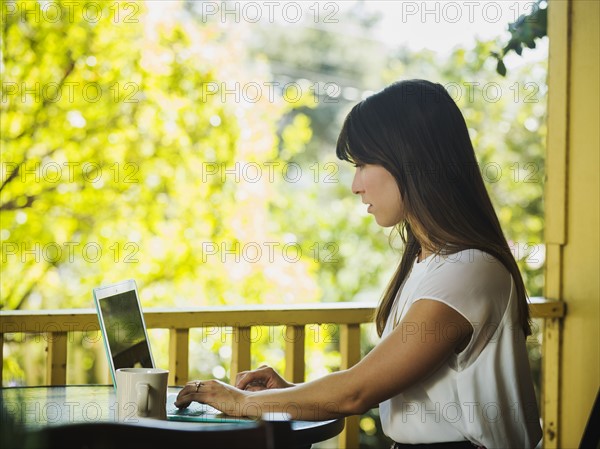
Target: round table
<point>37,407</point>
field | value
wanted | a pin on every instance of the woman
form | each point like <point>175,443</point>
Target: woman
<point>451,367</point>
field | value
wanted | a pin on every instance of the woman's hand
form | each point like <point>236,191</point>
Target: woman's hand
<point>215,393</point>
<point>262,378</point>
<point>229,399</point>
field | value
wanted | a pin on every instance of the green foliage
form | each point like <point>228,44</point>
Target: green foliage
<point>524,32</point>
<point>145,196</point>
<point>115,162</point>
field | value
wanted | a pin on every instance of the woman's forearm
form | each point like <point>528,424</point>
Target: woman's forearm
<point>329,397</point>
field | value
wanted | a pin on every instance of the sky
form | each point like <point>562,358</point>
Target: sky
<point>441,25</point>
<point>436,25</point>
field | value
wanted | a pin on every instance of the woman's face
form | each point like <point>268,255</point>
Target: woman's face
<point>378,188</point>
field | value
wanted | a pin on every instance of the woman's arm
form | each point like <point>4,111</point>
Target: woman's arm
<point>429,333</point>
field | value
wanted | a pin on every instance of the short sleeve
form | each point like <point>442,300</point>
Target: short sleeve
<point>493,369</point>
<point>477,286</point>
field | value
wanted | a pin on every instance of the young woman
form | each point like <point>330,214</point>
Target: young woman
<point>451,368</point>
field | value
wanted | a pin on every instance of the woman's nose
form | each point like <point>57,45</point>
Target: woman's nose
<point>356,187</point>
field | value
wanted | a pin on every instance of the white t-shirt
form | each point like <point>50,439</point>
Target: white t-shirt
<point>485,393</point>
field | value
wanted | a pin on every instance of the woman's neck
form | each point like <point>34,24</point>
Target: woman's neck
<point>423,254</point>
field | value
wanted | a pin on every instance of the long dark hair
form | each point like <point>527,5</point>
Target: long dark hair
<point>415,131</point>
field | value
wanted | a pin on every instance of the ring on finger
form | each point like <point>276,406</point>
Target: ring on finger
<point>198,385</point>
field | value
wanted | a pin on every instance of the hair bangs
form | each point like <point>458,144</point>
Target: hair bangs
<point>342,149</point>
<point>351,146</point>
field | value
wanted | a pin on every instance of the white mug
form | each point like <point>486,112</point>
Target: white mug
<point>141,392</point>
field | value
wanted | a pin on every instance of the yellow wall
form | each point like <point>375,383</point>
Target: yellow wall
<point>572,205</point>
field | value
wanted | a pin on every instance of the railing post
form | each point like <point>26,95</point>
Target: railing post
<point>294,353</point>
<point>350,351</point>
<point>56,362</point>
<point>240,354</point>
<point>179,340</point>
<point>550,381</point>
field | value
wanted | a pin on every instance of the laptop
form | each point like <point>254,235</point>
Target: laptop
<point>127,345</point>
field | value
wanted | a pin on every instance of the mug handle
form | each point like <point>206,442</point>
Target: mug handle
<point>142,398</point>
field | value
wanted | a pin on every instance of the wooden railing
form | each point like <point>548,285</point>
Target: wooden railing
<point>57,324</point>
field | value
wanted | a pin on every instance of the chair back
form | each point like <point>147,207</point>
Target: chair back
<point>591,434</point>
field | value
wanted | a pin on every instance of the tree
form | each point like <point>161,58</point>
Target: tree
<point>114,158</point>
<point>124,161</point>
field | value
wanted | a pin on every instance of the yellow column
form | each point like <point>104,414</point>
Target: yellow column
<point>294,353</point>
<point>179,342</point>
<point>56,363</point>
<point>572,198</point>
<point>240,357</point>
<point>350,349</point>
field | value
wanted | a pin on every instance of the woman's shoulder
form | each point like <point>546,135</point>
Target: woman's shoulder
<point>473,264</point>
<point>470,257</point>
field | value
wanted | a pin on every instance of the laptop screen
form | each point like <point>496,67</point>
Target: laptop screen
<point>125,331</point>
<point>122,326</point>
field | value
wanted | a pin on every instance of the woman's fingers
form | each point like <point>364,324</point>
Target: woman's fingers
<point>191,392</point>
<point>222,396</point>
<point>239,376</point>
<point>248,378</point>
<point>256,385</point>
<point>261,378</point>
